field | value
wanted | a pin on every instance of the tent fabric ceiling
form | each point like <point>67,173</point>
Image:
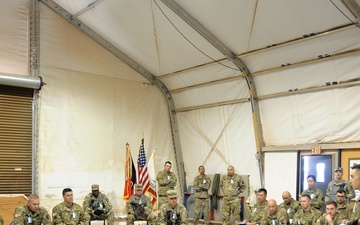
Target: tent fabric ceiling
<point>155,37</point>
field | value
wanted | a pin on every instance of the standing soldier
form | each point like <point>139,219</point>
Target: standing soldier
<point>307,215</point>
<point>274,215</point>
<point>97,206</point>
<point>68,212</point>
<point>172,212</point>
<point>231,185</point>
<point>202,184</point>
<point>1,220</point>
<point>167,181</point>
<point>32,213</point>
<point>339,184</point>
<point>316,195</point>
<point>289,204</point>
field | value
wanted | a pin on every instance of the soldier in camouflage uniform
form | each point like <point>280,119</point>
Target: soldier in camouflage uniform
<point>316,195</point>
<point>232,185</point>
<point>289,205</point>
<point>355,183</point>
<point>68,212</point>
<point>343,207</point>
<point>97,206</point>
<point>32,213</point>
<point>167,181</point>
<point>139,207</point>
<point>1,220</point>
<point>172,213</point>
<point>202,184</point>
<point>274,215</point>
<point>331,217</point>
<point>339,184</point>
<point>307,215</point>
<point>257,211</point>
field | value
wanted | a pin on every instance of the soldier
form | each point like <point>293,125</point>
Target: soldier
<point>342,206</point>
<point>289,205</point>
<point>274,215</point>
<point>355,183</point>
<point>258,209</point>
<point>307,215</point>
<point>32,213</point>
<point>331,217</point>
<point>316,195</point>
<point>97,206</point>
<point>68,212</point>
<point>337,184</point>
<point>231,185</point>
<point>1,220</point>
<point>167,181</point>
<point>172,213</point>
<point>202,184</point>
<point>139,207</point>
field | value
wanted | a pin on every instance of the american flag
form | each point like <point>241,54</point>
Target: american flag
<point>142,168</point>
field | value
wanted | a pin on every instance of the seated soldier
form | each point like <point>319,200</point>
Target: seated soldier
<point>274,215</point>
<point>172,212</point>
<point>306,215</point>
<point>32,213</point>
<point>331,217</point>
<point>258,209</point>
<point>139,207</point>
<point>97,206</point>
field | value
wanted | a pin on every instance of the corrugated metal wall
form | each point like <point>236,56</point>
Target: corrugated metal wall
<point>15,140</point>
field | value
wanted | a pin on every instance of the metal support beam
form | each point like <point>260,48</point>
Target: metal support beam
<point>137,67</point>
<point>231,56</point>
<point>90,6</point>
<point>354,8</point>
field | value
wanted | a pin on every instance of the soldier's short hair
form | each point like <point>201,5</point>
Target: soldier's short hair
<point>33,196</point>
<point>356,167</point>
<point>341,190</point>
<point>168,162</point>
<point>331,203</point>
<point>306,196</point>
<point>311,176</point>
<point>262,190</point>
<point>200,167</point>
<point>66,190</point>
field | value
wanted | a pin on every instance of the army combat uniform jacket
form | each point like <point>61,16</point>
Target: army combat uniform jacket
<point>280,217</point>
<point>92,203</point>
<point>178,214</point>
<point>346,210</point>
<point>291,208</point>
<point>139,209</point>
<point>23,216</point>
<point>334,186</point>
<point>201,186</point>
<point>336,221</point>
<point>232,186</point>
<point>303,217</point>
<point>166,181</point>
<point>63,215</point>
<point>316,195</point>
<point>257,212</point>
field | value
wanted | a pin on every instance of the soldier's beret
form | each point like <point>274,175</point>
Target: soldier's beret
<point>171,194</point>
<point>95,187</point>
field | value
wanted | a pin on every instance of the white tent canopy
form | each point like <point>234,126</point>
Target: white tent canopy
<point>204,82</point>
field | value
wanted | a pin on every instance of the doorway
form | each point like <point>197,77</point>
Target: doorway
<point>321,166</point>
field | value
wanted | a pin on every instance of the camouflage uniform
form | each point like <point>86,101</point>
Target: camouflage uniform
<point>316,195</point>
<point>345,209</point>
<point>231,187</point>
<point>336,221</point>
<point>166,181</point>
<point>201,186</point>
<point>291,208</point>
<point>102,202</point>
<point>355,216</point>
<point>257,212</point>
<point>303,217</point>
<point>63,215</point>
<point>23,216</point>
<point>334,186</point>
<point>280,217</point>
<point>179,212</point>
<point>1,220</point>
<point>138,210</point>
